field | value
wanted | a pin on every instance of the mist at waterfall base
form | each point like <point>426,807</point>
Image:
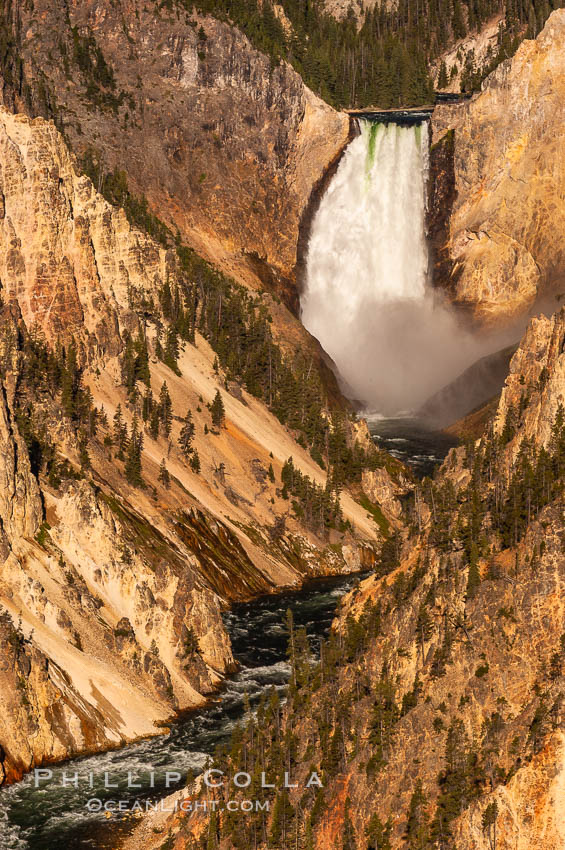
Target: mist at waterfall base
<point>394,340</point>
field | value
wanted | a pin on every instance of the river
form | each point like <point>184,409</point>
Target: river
<point>53,816</point>
<point>411,440</point>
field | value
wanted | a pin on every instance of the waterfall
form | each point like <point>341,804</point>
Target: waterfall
<point>366,297</point>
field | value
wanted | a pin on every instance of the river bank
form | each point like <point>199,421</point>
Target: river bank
<point>57,815</point>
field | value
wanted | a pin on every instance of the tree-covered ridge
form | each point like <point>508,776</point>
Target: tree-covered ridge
<point>444,678</point>
<point>193,300</point>
<point>495,504</point>
<point>386,62</point>
<point>348,715</point>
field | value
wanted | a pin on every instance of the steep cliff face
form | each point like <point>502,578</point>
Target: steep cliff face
<point>43,716</point>
<point>225,146</point>
<point>474,653</point>
<point>504,231</point>
<point>536,375</point>
<point>20,500</point>
<point>69,261</point>
<point>436,713</point>
<point>114,572</point>
<point>441,198</point>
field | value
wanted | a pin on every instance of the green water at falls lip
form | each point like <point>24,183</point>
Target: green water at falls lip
<point>371,148</point>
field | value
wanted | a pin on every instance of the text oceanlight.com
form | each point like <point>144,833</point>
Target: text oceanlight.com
<point>122,806</point>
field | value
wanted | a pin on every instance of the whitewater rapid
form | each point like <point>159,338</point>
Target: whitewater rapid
<point>367,296</point>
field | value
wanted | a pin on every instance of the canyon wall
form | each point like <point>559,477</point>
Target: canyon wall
<point>503,238</point>
<point>225,145</point>
<point>436,714</point>
<point>480,665</point>
<point>111,593</point>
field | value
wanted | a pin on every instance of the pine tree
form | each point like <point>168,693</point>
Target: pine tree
<point>164,476</point>
<point>417,827</point>
<point>442,82</point>
<point>424,627</point>
<point>158,345</point>
<point>148,405</point>
<point>195,461</point>
<point>217,410</point>
<point>142,360</point>
<point>378,834</point>
<point>458,22</point>
<point>186,435</point>
<point>490,815</point>
<point>70,383</point>
<point>133,457</point>
<point>83,453</point>
<point>165,409</point>
<point>120,432</point>
<point>154,423</point>
<point>171,353</point>
<point>281,823</point>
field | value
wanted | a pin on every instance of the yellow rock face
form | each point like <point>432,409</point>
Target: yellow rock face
<point>508,219</point>
<point>93,630</point>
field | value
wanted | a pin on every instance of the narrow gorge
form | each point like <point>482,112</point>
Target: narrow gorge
<point>282,417</point>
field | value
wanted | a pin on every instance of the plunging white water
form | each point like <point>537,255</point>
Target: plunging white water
<point>366,296</point>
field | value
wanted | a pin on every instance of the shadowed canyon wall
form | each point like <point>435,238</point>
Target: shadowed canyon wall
<point>225,146</point>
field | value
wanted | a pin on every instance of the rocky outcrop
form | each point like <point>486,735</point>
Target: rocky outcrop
<point>480,46</point>
<point>529,810</point>
<point>42,715</point>
<point>535,388</point>
<point>20,501</point>
<point>225,145</point>
<point>340,8</point>
<point>382,490</point>
<point>69,262</point>
<point>504,231</point>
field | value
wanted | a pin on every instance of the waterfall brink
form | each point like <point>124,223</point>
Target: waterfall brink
<point>366,297</point>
